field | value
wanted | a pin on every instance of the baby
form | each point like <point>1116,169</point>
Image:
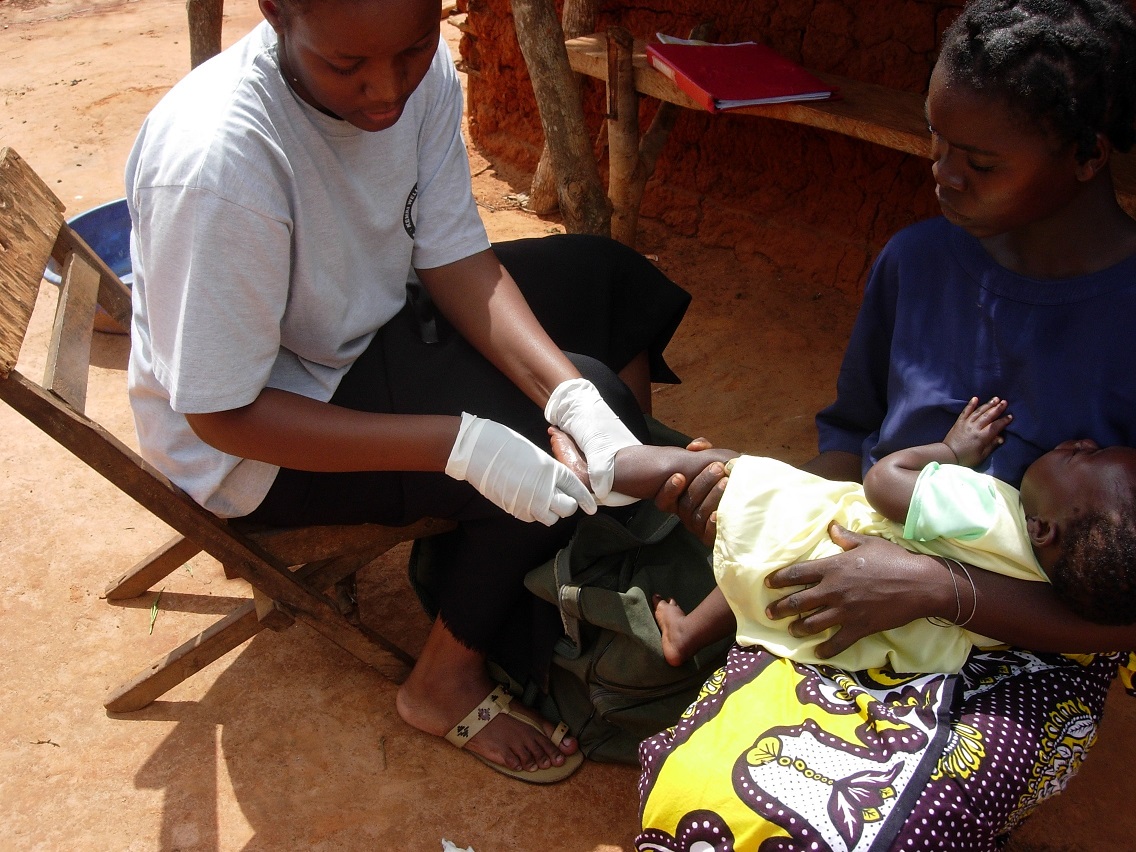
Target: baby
<point>1073,522</point>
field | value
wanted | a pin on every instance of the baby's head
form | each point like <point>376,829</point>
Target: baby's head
<point>1080,505</point>
<point>1065,66</point>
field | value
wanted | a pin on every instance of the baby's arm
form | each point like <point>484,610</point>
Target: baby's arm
<point>640,471</point>
<point>975,435</point>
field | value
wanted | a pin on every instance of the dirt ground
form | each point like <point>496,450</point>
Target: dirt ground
<point>289,742</point>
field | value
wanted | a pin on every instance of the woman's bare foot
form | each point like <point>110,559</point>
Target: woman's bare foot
<point>671,618</point>
<point>448,681</point>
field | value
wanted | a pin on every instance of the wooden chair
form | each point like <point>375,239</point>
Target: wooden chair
<point>290,570</point>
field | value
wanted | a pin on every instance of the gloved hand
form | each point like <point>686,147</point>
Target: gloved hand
<point>577,407</point>
<point>515,474</point>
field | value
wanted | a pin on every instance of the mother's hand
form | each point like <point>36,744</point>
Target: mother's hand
<point>874,585</point>
<point>695,503</point>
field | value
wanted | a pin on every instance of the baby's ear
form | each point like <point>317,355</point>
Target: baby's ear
<point>1043,533</point>
<point>1102,153</point>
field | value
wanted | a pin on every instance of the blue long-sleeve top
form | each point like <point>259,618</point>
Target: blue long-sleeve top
<point>941,322</point>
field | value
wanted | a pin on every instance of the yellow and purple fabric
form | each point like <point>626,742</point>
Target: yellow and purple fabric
<point>776,755</point>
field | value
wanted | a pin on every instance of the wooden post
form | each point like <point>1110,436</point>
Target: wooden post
<point>583,202</point>
<point>631,160</point>
<point>204,29</point>
<point>577,19</point>
<point>622,136</point>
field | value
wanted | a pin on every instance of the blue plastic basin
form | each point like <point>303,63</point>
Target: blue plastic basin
<point>106,229</point>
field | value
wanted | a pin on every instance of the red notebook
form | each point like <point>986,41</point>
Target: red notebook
<point>728,76</point>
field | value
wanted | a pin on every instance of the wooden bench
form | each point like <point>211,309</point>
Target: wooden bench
<point>889,117</point>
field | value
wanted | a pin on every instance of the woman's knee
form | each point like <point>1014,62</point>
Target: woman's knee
<point>614,392</point>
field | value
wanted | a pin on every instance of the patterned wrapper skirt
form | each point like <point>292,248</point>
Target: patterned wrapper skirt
<point>775,755</point>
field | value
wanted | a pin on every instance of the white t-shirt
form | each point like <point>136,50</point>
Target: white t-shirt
<point>270,242</point>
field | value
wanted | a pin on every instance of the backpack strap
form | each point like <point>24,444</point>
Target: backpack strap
<point>618,542</point>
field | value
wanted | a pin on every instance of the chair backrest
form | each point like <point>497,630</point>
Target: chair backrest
<point>32,229</point>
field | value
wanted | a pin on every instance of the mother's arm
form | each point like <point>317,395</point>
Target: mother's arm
<point>876,585</point>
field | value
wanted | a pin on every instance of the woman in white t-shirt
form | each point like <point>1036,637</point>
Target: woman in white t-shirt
<point>300,204</point>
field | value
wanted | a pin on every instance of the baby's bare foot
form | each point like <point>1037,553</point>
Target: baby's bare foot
<point>567,452</point>
<point>670,618</point>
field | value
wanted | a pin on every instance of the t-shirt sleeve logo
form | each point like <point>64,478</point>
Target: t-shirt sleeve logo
<point>408,212</point>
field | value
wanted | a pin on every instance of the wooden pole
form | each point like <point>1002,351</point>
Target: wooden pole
<point>583,202</point>
<point>623,137</point>
<point>204,29</point>
<point>631,160</point>
<point>577,19</point>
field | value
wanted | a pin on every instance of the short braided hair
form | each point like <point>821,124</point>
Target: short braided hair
<point>1095,575</point>
<point>1067,65</point>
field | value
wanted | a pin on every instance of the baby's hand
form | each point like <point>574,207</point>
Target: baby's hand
<point>978,431</point>
<point>567,452</point>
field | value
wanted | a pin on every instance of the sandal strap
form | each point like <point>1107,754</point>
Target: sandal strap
<point>495,702</point>
<point>557,736</point>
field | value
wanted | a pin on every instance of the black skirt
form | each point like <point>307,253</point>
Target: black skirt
<point>601,302</point>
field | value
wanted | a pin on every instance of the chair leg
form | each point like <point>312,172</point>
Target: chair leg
<point>271,614</point>
<point>189,657</point>
<point>152,568</point>
<point>346,598</point>
<point>353,636</point>
<point>253,616</point>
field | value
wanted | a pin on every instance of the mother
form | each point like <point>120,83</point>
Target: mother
<point>1026,289</point>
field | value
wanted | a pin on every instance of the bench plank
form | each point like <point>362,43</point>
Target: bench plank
<point>890,117</point>
<point>866,111</point>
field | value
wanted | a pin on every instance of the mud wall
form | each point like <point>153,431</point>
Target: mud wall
<point>817,204</point>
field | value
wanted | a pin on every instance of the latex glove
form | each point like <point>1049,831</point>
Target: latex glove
<point>515,474</point>
<point>577,407</point>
